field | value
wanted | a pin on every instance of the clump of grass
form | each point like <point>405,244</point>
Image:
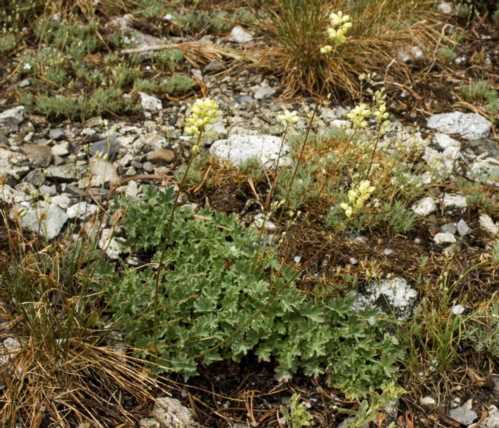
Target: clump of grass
<point>300,30</point>
<point>179,84</point>
<point>63,369</point>
<point>168,59</point>
<point>481,92</point>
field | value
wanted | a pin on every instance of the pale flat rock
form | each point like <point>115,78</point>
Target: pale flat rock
<point>265,149</point>
<point>103,172</point>
<point>43,218</point>
<point>442,163</point>
<point>488,225</point>
<point>485,170</point>
<point>464,414</point>
<point>12,196</point>
<point>443,141</point>
<point>171,413</point>
<point>462,228</point>
<point>38,154</point>
<point>113,247</point>
<point>427,401</point>
<point>240,35</point>
<point>150,103</point>
<point>82,210</point>
<point>424,207</point>
<point>12,118</point>
<point>443,238</point>
<point>454,201</point>
<point>470,126</point>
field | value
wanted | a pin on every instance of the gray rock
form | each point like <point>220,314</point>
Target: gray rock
<point>61,149</point>
<point>57,134</point>
<point>464,414</point>
<point>82,210</point>
<point>161,156</point>
<point>427,401</point>
<point>107,148</point>
<point>263,91</point>
<point>171,413</point>
<point>470,126</point>
<point>64,201</point>
<point>444,141</point>
<point>150,103</point>
<point>11,196</point>
<point>393,295</point>
<point>424,207</point>
<point>442,163</point>
<point>488,225</point>
<point>12,118</point>
<point>43,218</point>
<point>214,67</point>
<point>113,247</point>
<point>240,35</point>
<point>445,7</point>
<point>35,177</point>
<point>265,149</point>
<point>62,172</point>
<point>462,228</point>
<point>485,170</point>
<point>38,155</point>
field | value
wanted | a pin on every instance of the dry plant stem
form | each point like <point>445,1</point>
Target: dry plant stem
<point>268,202</point>
<point>168,228</point>
<point>302,151</point>
<point>373,154</point>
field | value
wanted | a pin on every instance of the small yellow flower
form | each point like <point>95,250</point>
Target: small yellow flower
<point>204,112</point>
<point>288,118</point>
<point>359,116</point>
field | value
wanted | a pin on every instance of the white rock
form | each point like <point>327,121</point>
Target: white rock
<point>464,414</point>
<point>470,126</point>
<point>263,91</point>
<point>61,149</point>
<point>427,401</point>
<point>64,201</point>
<point>444,141</point>
<point>150,103</point>
<point>12,118</point>
<point>442,163</point>
<point>8,349</point>
<point>82,210</point>
<point>103,172</point>
<point>425,206</point>
<point>445,7</point>
<point>444,238</point>
<point>492,420</point>
<point>265,149</point>
<point>171,413</point>
<point>485,170</point>
<point>240,35</point>
<point>454,201</point>
<point>395,292</point>
<point>449,228</point>
<point>458,309</point>
<point>42,218</point>
<point>12,196</point>
<point>488,225</point>
<point>113,247</point>
<point>462,228</point>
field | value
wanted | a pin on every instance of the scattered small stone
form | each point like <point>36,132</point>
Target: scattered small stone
<point>161,156</point>
<point>9,347</point>
<point>62,172</point>
<point>488,225</point>
<point>462,228</point>
<point>492,420</point>
<point>82,210</point>
<point>61,149</point>
<point>57,134</point>
<point>103,172</point>
<point>425,206</point>
<point>12,118</point>
<point>443,238</point>
<point>265,149</point>
<point>112,246</point>
<point>46,219</point>
<point>449,228</point>
<point>454,201</point>
<point>485,170</point>
<point>36,177</point>
<point>470,126</point>
<point>388,252</point>
<point>38,154</point>
<point>445,7</point>
<point>458,309</point>
<point>262,222</point>
<point>464,414</point>
<point>171,413</point>
<point>263,91</point>
<point>240,35</point>
<point>427,401</point>
<point>394,295</point>
<point>150,103</point>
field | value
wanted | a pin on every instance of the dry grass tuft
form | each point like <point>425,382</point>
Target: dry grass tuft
<point>58,364</point>
<point>380,29</point>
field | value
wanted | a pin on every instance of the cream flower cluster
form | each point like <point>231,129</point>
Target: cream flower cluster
<point>357,198</point>
<point>204,112</point>
<point>360,115</point>
<point>339,25</point>
<point>288,118</point>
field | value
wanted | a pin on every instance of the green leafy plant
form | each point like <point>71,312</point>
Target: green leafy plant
<point>224,295</point>
<point>296,414</point>
<point>179,84</point>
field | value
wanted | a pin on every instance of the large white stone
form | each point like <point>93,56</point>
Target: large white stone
<point>265,149</point>
<point>488,225</point>
<point>470,126</point>
<point>464,414</point>
<point>240,35</point>
<point>454,201</point>
<point>424,207</point>
<point>150,103</point>
<point>43,218</point>
<point>13,117</point>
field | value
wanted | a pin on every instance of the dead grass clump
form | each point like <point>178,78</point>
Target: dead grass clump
<point>380,29</point>
<point>58,363</point>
